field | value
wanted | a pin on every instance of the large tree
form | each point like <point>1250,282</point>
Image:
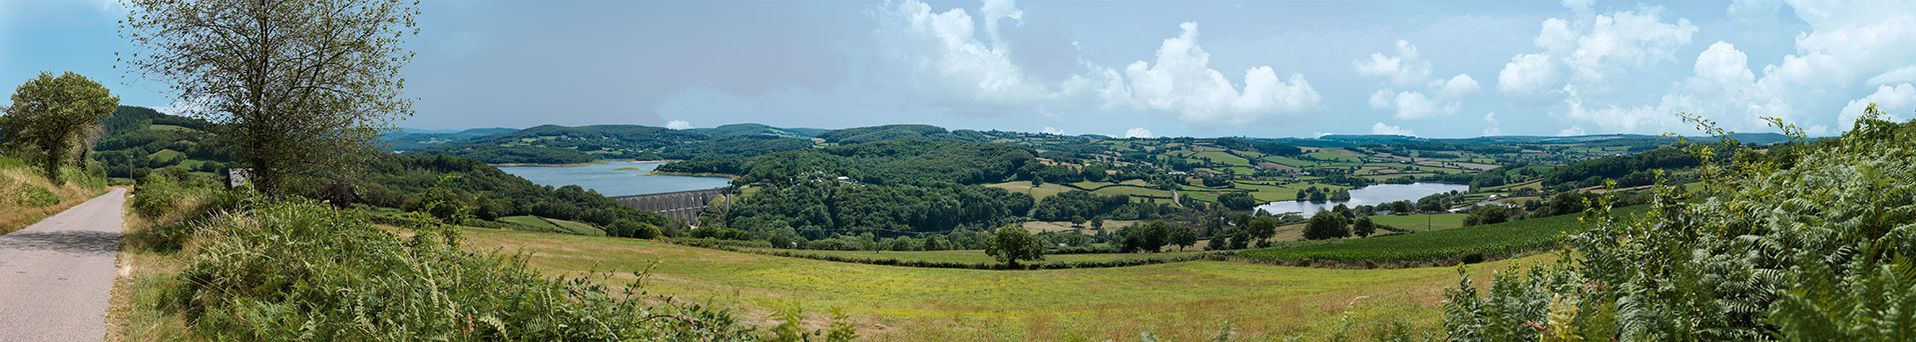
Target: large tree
<point>1012,243</point>
<point>53,116</point>
<point>300,87</point>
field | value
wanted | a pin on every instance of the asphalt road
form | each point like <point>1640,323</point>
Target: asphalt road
<point>56,275</point>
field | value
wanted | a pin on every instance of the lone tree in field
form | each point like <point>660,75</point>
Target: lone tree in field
<point>51,117</point>
<point>1326,225</point>
<point>299,87</point>
<point>1012,243</point>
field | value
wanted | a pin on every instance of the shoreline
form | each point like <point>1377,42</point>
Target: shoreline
<point>594,162</point>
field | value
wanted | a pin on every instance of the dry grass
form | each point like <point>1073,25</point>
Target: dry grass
<point>145,275</point>
<point>14,216</point>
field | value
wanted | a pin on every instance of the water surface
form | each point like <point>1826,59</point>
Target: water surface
<point>1370,195</point>
<point>615,178</point>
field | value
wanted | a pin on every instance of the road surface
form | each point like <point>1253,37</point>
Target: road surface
<point>56,275</point>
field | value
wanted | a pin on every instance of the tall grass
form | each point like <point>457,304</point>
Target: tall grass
<point>26,196</point>
<point>300,269</point>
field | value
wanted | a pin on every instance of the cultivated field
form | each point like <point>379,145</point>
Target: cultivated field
<point>1188,300</point>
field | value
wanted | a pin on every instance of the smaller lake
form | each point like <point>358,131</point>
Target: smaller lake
<point>1370,195</point>
<point>615,178</point>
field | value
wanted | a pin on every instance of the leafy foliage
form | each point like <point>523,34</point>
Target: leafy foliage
<point>1817,251</point>
<point>408,182</point>
<point>299,268</point>
<point>1012,243</point>
<point>53,117</point>
<point>254,67</point>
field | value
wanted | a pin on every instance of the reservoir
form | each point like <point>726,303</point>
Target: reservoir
<point>1370,195</point>
<point>615,178</point>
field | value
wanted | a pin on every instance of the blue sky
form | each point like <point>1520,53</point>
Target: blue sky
<point>1206,68</point>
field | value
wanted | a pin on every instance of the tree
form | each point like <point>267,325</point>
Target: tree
<point>1488,214</point>
<point>1183,236</point>
<point>50,114</point>
<point>1148,237</point>
<point>300,87</point>
<point>1326,225</point>
<point>1262,229</point>
<point>1012,243</point>
<point>1237,200</point>
<point>1364,227</point>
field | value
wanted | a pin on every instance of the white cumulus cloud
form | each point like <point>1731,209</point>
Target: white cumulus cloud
<point>1408,69</point>
<point>943,59</point>
<point>1381,128</point>
<point>1897,101</point>
<point>1404,68</point>
<point>1052,130</point>
<point>1139,132</point>
<point>1594,48</point>
<point>1491,126</point>
<point>1182,81</point>
<point>1529,73</point>
<point>1571,132</point>
<point>678,124</point>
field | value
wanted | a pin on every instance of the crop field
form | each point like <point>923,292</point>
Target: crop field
<point>1421,222</point>
<point>1485,241</point>
<point>1189,300</point>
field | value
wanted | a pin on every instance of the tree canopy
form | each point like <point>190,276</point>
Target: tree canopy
<point>57,118</point>
<point>299,87</point>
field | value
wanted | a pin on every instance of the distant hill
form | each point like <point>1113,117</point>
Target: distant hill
<point>746,129</point>
<point>411,139</point>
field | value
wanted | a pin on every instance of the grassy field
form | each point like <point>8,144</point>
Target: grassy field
<point>541,224</point>
<point>1056,226</point>
<point>1039,193</point>
<point>1442,246</point>
<point>1185,301</point>
<point>979,257</point>
<point>1421,222</point>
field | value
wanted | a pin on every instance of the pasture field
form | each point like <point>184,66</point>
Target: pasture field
<point>1187,300</point>
<point>1442,246</point>
<point>1060,226</point>
<point>541,224</point>
<point>1038,193</point>
<point>1418,222</point>
<point>978,256</point>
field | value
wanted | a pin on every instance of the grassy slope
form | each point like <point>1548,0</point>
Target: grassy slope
<point>1184,301</point>
<point>1040,193</point>
<point>1492,241</point>
<point>14,181</point>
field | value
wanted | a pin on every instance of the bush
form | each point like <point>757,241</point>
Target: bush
<point>1817,251</point>
<point>301,268</point>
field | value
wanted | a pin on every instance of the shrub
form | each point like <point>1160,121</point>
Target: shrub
<point>1814,252</point>
<point>301,268</point>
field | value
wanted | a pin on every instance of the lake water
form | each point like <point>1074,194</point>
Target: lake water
<point>1370,195</point>
<point>615,178</point>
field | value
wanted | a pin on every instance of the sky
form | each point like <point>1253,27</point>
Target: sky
<point>1133,68</point>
